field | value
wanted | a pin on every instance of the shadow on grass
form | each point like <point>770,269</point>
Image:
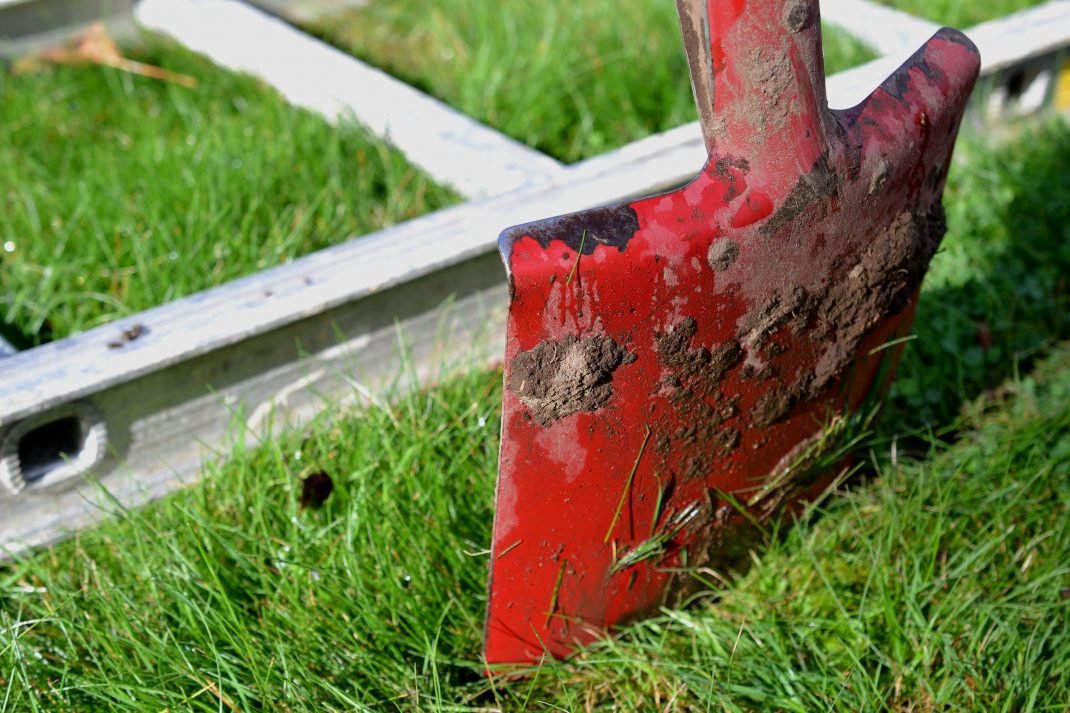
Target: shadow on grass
<point>996,296</point>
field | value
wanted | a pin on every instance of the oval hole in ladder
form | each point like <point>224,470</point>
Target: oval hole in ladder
<point>62,445</point>
<point>50,446</point>
<point>1015,84</point>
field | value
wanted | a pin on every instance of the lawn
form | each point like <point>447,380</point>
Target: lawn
<point>120,193</point>
<point>961,13</point>
<point>939,582</point>
<point>572,79</point>
<point>997,294</point>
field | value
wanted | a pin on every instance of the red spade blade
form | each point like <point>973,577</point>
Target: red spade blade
<point>682,367</point>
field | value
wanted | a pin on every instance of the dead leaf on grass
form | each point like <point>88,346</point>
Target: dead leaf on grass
<point>95,46</point>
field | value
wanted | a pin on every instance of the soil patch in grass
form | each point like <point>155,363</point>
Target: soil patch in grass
<point>572,79</point>
<point>120,193</point>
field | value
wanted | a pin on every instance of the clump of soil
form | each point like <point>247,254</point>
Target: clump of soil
<point>801,17</point>
<point>771,314</point>
<point>881,284</point>
<point>695,384</point>
<point>772,407</point>
<point>675,352</point>
<point>722,359</point>
<point>876,284</point>
<point>722,253</point>
<point>557,379</point>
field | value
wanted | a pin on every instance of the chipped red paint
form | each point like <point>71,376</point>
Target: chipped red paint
<point>755,207</point>
<point>742,311</point>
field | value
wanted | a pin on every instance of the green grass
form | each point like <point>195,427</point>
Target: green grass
<point>120,193</point>
<point>961,13</point>
<point>997,292</point>
<point>940,583</point>
<point>572,79</point>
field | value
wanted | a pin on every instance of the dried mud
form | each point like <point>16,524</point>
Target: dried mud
<point>820,183</point>
<point>696,393</point>
<point>769,75</point>
<point>772,314</point>
<point>557,379</point>
<point>722,254</point>
<point>835,316</point>
<point>880,282</point>
<point>675,353</point>
<point>772,407</point>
